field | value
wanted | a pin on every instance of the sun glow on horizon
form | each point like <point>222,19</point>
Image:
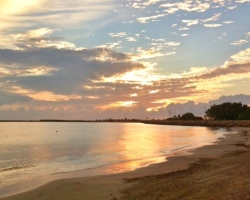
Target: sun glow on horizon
<point>142,77</point>
<point>118,104</point>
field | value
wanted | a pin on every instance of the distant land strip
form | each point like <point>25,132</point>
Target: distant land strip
<point>206,123</point>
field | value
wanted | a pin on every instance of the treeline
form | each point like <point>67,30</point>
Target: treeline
<point>186,116</point>
<point>97,120</point>
<point>224,111</point>
<point>119,120</point>
<point>229,111</point>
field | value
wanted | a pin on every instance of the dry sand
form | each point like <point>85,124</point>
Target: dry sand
<point>218,171</point>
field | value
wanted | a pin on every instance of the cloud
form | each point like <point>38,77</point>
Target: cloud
<point>191,22</point>
<point>243,57</point>
<point>11,12</point>
<point>242,1</point>
<point>152,52</point>
<point>239,42</point>
<point>154,91</point>
<point>9,98</point>
<point>144,20</point>
<point>39,38</point>
<point>83,112</point>
<point>42,95</point>
<point>143,5</point>
<point>186,6</point>
<point>110,45</point>
<point>44,73</point>
<point>20,13</point>
<point>131,39</point>
<point>134,95</point>
<point>212,19</point>
<point>150,2</point>
<point>67,79</point>
<point>212,25</point>
<point>183,29</point>
<point>232,7</point>
<point>120,34</point>
<point>12,70</point>
<point>118,104</point>
<point>200,108</point>
<point>195,84</point>
<point>228,22</point>
<point>195,70</point>
<point>172,43</point>
<point>63,65</point>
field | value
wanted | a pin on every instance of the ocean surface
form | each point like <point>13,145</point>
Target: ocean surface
<point>35,150</point>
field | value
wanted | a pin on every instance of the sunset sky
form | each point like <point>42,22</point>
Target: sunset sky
<point>85,59</point>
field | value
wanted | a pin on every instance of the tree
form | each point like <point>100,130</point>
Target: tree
<point>228,111</point>
<point>245,115</point>
<point>186,116</point>
<point>189,116</point>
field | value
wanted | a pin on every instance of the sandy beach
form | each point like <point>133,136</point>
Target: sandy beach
<point>218,171</point>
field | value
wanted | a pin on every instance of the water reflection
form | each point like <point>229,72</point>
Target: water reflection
<point>141,145</point>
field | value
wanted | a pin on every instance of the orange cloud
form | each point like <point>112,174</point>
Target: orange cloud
<point>118,104</point>
<point>44,95</point>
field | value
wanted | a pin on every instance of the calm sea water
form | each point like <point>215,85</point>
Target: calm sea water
<point>32,150</point>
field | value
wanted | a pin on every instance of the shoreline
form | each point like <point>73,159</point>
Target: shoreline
<point>110,186</point>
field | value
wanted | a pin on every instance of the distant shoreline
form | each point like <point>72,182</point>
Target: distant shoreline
<point>204,123</point>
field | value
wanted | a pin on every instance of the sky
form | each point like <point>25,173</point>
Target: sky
<point>84,59</point>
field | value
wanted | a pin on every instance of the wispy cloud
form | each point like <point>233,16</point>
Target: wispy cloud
<point>212,25</point>
<point>239,42</point>
<point>228,22</point>
<point>120,34</point>
<point>150,2</point>
<point>191,22</point>
<point>150,53</point>
<point>19,13</point>
<point>39,38</point>
<point>118,104</point>
<point>172,43</point>
<point>183,28</point>
<point>42,95</point>
<point>185,6</point>
<point>150,18</point>
<point>131,39</point>
<point>242,1</point>
<point>212,19</point>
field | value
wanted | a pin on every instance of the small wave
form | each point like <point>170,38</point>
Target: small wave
<point>112,163</point>
<point>180,148</point>
<point>15,168</point>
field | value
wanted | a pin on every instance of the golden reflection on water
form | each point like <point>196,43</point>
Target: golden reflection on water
<point>140,144</point>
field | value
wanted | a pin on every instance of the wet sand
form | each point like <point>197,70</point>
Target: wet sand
<point>218,171</point>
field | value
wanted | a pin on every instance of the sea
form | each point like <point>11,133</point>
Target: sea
<point>33,153</point>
